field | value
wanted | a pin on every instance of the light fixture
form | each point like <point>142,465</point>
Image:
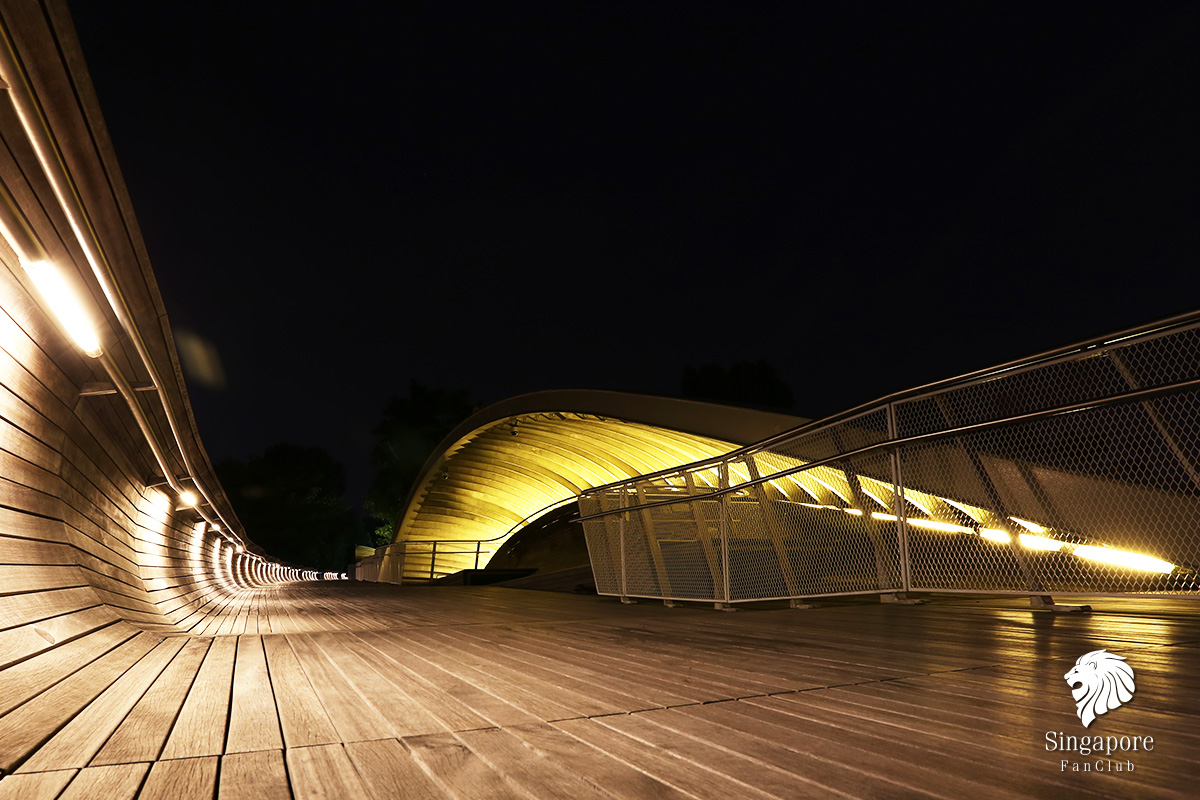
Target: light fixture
<point>995,535</point>
<point>64,302</point>
<point>188,498</point>
<point>54,287</point>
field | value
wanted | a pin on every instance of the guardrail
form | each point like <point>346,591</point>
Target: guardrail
<point>426,560</point>
<point>1076,471</point>
<point>404,562</point>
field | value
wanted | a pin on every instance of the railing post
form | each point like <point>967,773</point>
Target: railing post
<point>478,544</point>
<point>723,482</point>
<point>898,505</point>
<point>621,528</point>
<point>432,559</point>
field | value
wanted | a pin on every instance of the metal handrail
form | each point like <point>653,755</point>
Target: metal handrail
<point>1128,397</point>
<point>1178,322</point>
<point>50,158</point>
<point>477,542</point>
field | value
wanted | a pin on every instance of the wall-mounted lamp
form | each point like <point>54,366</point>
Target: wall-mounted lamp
<point>52,283</point>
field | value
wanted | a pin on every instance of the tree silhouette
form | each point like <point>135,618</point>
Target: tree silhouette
<point>291,501</point>
<point>411,428</point>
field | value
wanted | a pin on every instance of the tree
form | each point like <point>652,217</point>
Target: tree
<point>411,428</point>
<point>291,501</point>
<point>744,384</point>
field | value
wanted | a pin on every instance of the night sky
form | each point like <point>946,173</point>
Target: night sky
<point>511,197</point>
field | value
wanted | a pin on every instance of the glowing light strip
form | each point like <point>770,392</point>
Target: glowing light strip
<point>1122,558</point>
<point>1032,527</point>
<point>1039,542</point>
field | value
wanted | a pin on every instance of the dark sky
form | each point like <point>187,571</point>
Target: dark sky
<point>510,197</point>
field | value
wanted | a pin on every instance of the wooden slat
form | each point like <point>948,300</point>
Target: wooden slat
<point>387,769</point>
<point>182,779</point>
<point>144,731</point>
<point>115,782</point>
<point>81,738</point>
<point>323,771</point>
<point>25,728</point>
<point>254,776</point>
<point>253,719</point>
<point>200,727</point>
<point>457,770</point>
<point>301,716</point>
<point>35,786</point>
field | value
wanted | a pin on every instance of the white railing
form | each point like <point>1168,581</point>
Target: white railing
<point>1076,471</point>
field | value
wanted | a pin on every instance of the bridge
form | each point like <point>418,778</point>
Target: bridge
<point>148,647</point>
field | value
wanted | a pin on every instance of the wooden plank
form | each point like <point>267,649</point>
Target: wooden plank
<point>21,578</point>
<point>44,603</point>
<point>709,756</point>
<point>452,712</point>
<point>388,770</point>
<point>323,771</point>
<point>25,728</point>
<point>541,700</point>
<point>35,786</point>
<point>617,777</point>
<point>182,779</point>
<point>254,776</point>
<point>404,713</point>
<point>38,637</point>
<point>114,782</point>
<point>144,731</point>
<point>459,771</point>
<point>200,727</point>
<point>76,742</point>
<point>301,715</point>
<point>494,709</point>
<point>600,692</point>
<point>534,773</point>
<point>666,764</point>
<point>352,714</point>
<point>253,718</point>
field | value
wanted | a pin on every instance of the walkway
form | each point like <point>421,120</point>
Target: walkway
<point>326,690</point>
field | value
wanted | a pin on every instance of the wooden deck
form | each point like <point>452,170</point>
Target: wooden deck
<point>351,690</point>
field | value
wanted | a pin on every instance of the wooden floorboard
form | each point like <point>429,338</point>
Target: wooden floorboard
<point>351,690</point>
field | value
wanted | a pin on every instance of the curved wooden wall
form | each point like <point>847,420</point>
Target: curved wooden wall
<point>90,551</point>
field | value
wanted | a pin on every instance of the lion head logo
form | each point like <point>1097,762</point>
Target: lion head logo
<point>1105,682</point>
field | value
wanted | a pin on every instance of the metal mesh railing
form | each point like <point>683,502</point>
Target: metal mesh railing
<point>1073,472</point>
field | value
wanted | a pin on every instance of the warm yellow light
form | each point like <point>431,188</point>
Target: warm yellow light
<point>856,512</point>
<point>1122,558</point>
<point>993,535</point>
<point>937,525</point>
<point>882,516</point>
<point>65,304</point>
<point>157,499</point>
<point>188,498</point>
<point>1039,542</point>
<point>1032,527</point>
<point>241,549</point>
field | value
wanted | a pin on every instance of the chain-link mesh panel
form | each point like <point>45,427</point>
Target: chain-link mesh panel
<point>1138,363</point>
<point>603,536</point>
<point>1103,500</point>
